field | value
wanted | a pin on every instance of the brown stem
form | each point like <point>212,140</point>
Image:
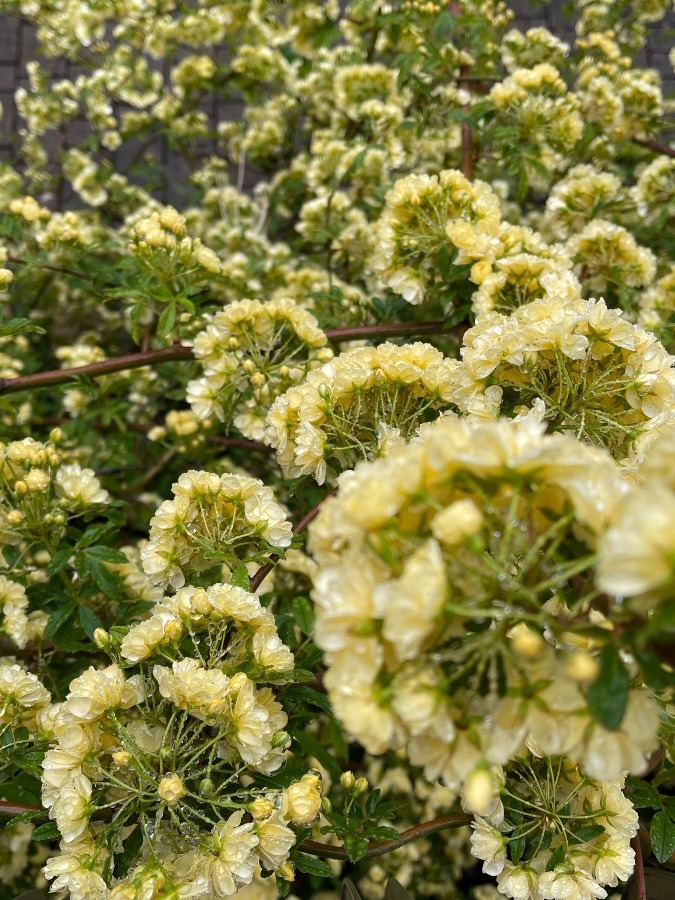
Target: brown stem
<point>395,329</point>
<point>94,370</point>
<point>15,809</point>
<point>640,884</point>
<point>379,848</point>
<point>656,146</point>
<point>264,571</point>
<point>177,352</point>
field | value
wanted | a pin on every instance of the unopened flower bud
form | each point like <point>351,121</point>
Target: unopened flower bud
<point>101,638</point>
<point>479,791</point>
<point>171,789</point>
<point>121,757</point>
<point>261,808</point>
<point>347,780</point>
<point>15,517</point>
<point>206,787</point>
<point>20,487</point>
<point>360,786</point>
<point>286,871</point>
<point>582,667</point>
<point>526,641</point>
<point>281,740</point>
<point>55,435</point>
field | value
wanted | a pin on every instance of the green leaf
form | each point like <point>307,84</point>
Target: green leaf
<point>557,858</point>
<point>130,850</point>
<point>59,561</point>
<point>18,326</point>
<point>588,832</point>
<point>642,794</point>
<point>46,832</point>
<point>516,848</point>
<point>283,887</point>
<point>372,801</point>
<point>89,620</point>
<point>59,618</point>
<point>314,748</point>
<point>304,615</point>
<point>108,554</point>
<point>312,866</point>
<point>93,534</point>
<point>608,695</point>
<point>26,816</point>
<point>166,321</point>
<point>662,833</point>
<point>356,847</point>
<point>382,833</point>
<point>300,693</point>
<point>88,562</point>
<point>240,578</point>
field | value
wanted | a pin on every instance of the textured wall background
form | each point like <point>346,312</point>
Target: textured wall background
<point>18,45</point>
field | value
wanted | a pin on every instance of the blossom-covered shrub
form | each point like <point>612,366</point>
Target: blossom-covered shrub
<point>336,458</point>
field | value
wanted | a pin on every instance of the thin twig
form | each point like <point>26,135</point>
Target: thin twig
<point>640,884</point>
<point>379,848</point>
<point>656,146</point>
<point>95,370</point>
<point>264,571</point>
<point>15,809</point>
<point>177,352</point>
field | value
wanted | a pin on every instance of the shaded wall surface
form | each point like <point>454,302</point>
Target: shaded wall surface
<point>18,46</point>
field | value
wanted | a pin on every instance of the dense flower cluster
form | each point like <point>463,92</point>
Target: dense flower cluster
<point>524,838</point>
<point>212,520</point>
<point>251,353</point>
<point>357,406</point>
<point>588,370</point>
<point>423,598</point>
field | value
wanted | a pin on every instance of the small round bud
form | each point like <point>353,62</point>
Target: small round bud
<point>15,517</point>
<point>286,871</point>
<point>173,630</point>
<point>121,757</point>
<point>582,667</point>
<point>101,638</point>
<point>171,789</point>
<point>206,787</point>
<point>347,781</point>
<point>281,740</point>
<point>37,480</point>
<point>55,435</point>
<point>261,808</point>
<point>360,786</point>
<point>526,641</point>
<point>20,487</point>
<point>479,791</point>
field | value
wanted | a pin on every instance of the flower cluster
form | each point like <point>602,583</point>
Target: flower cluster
<point>251,353</point>
<point>586,369</point>
<point>249,198</point>
<point>525,837</point>
<point>424,214</point>
<point>424,595</point>
<point>39,493</point>
<point>213,521</point>
<point>173,752</point>
<point>358,406</point>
